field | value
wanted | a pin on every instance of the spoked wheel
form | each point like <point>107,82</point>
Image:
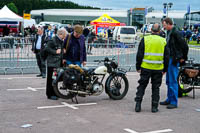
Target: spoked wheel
<point>183,87</point>
<point>117,87</point>
<point>61,91</point>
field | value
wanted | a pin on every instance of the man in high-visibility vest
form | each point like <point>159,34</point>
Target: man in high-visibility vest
<point>151,62</point>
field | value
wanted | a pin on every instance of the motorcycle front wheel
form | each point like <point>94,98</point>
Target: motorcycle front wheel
<point>61,91</point>
<point>117,86</point>
<point>183,87</point>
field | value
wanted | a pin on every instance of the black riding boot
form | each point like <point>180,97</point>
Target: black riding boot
<point>154,107</point>
<point>138,107</point>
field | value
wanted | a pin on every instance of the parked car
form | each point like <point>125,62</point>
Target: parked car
<point>46,23</point>
<point>124,34</point>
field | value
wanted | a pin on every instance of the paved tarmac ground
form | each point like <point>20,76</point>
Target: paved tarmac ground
<point>23,101</point>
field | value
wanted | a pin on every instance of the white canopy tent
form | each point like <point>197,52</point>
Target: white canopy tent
<point>7,15</point>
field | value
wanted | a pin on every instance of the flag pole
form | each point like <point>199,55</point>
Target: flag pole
<point>188,11</point>
<point>189,20</point>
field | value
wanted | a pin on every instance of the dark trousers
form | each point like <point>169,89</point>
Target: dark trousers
<point>41,64</point>
<point>156,80</point>
<point>49,88</point>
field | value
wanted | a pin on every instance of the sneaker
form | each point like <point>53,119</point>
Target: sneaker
<point>185,94</point>
<point>171,106</point>
<point>164,103</point>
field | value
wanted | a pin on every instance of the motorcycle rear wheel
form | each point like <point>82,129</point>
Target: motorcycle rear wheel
<point>182,88</point>
<point>117,87</point>
<point>61,91</point>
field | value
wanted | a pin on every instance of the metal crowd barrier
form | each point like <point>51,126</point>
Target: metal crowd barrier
<point>16,54</point>
<point>124,54</point>
<point>194,52</point>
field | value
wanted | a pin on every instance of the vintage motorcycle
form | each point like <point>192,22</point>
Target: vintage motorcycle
<point>188,77</point>
<point>72,81</point>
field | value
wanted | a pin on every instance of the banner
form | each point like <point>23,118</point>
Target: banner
<point>27,16</point>
<point>164,10</point>
<point>188,9</point>
<point>146,11</point>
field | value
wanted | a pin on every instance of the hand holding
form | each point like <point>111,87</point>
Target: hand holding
<point>58,51</point>
<point>139,71</point>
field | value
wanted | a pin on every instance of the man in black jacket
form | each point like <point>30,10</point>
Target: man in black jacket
<point>37,47</point>
<point>54,59</point>
<point>178,54</point>
<point>6,30</point>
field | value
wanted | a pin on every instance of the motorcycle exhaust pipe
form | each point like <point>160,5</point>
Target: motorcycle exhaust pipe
<point>79,92</point>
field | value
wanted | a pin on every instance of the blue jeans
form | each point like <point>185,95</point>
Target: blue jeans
<point>172,83</point>
<point>73,62</point>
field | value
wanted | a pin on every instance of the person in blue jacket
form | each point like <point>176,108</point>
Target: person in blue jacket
<point>75,49</point>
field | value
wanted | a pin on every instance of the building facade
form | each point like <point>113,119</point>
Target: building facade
<point>192,19</point>
<point>73,16</point>
<point>158,16</point>
<point>136,16</point>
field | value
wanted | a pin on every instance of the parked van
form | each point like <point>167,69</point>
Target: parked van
<point>125,34</point>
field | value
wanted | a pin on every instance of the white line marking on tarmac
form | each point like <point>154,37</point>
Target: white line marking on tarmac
<point>160,131</point>
<point>130,131</point>
<point>157,131</point>
<point>27,89</point>
<point>72,106</point>
<point>68,105</point>
<point>32,89</point>
<point>10,78</point>
<point>84,104</point>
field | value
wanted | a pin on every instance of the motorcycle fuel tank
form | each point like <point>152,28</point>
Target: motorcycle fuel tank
<point>101,70</point>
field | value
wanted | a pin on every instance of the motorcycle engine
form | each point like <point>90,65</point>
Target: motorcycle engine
<point>97,88</point>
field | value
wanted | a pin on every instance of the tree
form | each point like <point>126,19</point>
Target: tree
<point>12,7</point>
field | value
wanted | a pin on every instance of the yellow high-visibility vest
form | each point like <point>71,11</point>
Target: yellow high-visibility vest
<point>154,47</point>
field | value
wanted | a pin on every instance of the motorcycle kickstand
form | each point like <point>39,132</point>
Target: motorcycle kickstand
<point>76,100</point>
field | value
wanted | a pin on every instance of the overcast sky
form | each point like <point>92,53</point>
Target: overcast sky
<point>127,4</point>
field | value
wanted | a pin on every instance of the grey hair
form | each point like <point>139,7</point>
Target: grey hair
<point>61,31</point>
<point>41,28</point>
<point>155,27</point>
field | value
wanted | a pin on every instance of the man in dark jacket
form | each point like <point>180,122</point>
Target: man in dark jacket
<point>86,32</point>
<point>54,60</point>
<point>37,47</point>
<point>75,49</point>
<point>178,54</point>
<point>151,62</point>
<point>91,39</point>
<point>6,30</point>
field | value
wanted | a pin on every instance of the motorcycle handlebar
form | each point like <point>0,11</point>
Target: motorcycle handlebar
<point>98,60</point>
<point>105,60</point>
